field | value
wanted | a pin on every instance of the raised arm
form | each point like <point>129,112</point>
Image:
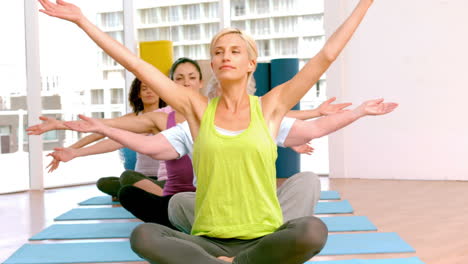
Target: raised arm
<point>152,122</point>
<point>75,151</point>
<point>155,146</point>
<point>325,108</point>
<point>86,141</point>
<point>304,131</point>
<point>181,98</point>
<point>283,97</point>
<point>48,124</point>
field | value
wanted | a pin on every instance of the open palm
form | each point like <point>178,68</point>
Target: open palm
<point>86,124</point>
<point>48,123</point>
<point>303,149</point>
<point>327,108</point>
<point>377,107</point>
<point>61,9</point>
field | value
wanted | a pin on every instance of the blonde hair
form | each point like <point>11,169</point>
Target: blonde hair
<point>252,53</point>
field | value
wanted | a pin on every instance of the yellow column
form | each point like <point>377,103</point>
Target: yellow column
<point>158,53</point>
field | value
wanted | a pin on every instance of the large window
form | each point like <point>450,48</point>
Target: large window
<point>14,156</point>
<point>288,29</point>
<point>97,96</point>
<point>189,26</point>
<point>78,78</point>
<point>117,96</point>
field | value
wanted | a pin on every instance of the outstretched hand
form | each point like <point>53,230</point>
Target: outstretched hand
<point>327,108</point>
<point>53,165</point>
<point>48,123</point>
<point>303,149</point>
<point>86,124</point>
<point>63,154</point>
<point>60,154</point>
<point>62,9</point>
<point>376,107</point>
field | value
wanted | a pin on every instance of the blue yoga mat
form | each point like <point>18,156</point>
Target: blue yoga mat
<point>99,200</point>
<point>123,230</point>
<point>95,214</point>
<point>73,253</point>
<point>412,260</point>
<point>348,223</point>
<point>365,243</point>
<point>339,207</point>
<point>329,195</point>
<point>338,244</point>
<point>107,200</point>
<point>87,231</point>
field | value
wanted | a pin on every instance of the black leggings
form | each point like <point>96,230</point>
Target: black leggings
<point>146,206</point>
<point>112,185</point>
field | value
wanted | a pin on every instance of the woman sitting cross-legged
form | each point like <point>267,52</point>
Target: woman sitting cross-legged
<point>233,146</point>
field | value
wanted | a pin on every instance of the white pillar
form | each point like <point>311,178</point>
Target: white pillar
<point>225,13</point>
<point>20,138</point>
<point>33,88</point>
<point>334,15</point>
<point>129,39</point>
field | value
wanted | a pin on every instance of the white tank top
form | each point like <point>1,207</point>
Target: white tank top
<point>149,166</point>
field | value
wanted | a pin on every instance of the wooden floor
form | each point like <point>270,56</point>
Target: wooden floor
<point>432,216</point>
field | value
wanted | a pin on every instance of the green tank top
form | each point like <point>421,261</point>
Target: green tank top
<point>236,179</point>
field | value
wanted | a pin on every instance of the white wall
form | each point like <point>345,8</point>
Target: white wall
<point>414,53</point>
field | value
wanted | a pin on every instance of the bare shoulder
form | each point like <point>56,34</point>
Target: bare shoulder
<point>130,114</point>
<point>272,105</point>
<point>197,106</point>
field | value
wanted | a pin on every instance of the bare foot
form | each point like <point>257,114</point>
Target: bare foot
<point>226,259</point>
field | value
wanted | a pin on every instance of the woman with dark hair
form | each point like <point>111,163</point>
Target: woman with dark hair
<point>135,100</point>
<point>143,196</point>
<point>142,100</point>
<point>187,72</point>
<point>147,171</point>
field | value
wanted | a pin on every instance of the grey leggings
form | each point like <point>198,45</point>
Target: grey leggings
<point>300,238</point>
<point>294,242</point>
<point>297,196</point>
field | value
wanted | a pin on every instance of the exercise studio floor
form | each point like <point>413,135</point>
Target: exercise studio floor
<point>431,216</point>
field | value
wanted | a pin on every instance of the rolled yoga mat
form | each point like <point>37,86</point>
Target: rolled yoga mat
<point>262,78</point>
<point>282,70</point>
<point>337,244</point>
<point>123,230</point>
<point>158,53</point>
<point>128,157</point>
